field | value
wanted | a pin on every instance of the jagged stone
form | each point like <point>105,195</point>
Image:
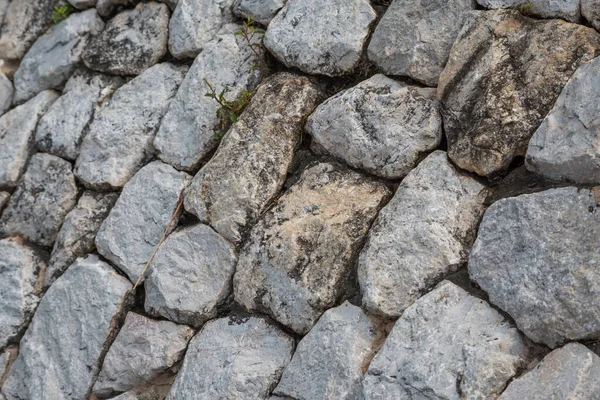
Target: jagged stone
<point>261,11</point>
<point>83,4</point>
<point>4,198</point>
<point>6,93</point>
<point>590,9</point>
<point>565,9</point>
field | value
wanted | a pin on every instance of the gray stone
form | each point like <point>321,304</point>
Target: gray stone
<point>329,360</point>
<point>536,256</point>
<point>119,141</point>
<point>187,132</point>
<point>571,372</point>
<point>59,355</point>
<point>107,8</point>
<point>62,129</point>
<point>590,9</point>
<point>380,125</point>
<point>44,196</point>
<point>158,390</point>
<point>504,74</point>
<point>136,223</point>
<point>17,132</point>
<point>233,359</point>
<point>131,42</point>
<point>6,359</point>
<point>6,93</point>
<point>4,198</point>
<point>421,236</point>
<point>321,36</point>
<point>298,261</point>
<point>143,349</point>
<point>78,231</point>
<point>261,11</point>
<point>3,8</point>
<point>414,38</point>
<point>448,345</point>
<point>190,276</point>
<point>565,9</point>
<point>53,57</point>
<point>83,4</point>
<point>566,145</point>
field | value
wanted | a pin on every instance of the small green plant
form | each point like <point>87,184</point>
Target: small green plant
<point>229,110</point>
<point>60,13</point>
<point>525,8</point>
<point>248,31</point>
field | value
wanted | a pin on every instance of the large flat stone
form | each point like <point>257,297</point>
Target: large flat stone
<point>569,10</point>
<point>6,93</point>
<point>261,11</point>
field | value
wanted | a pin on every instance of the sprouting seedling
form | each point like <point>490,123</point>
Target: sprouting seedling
<point>229,110</point>
<point>62,12</point>
<point>248,31</point>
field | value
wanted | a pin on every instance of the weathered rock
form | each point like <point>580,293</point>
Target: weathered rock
<point>6,359</point>
<point>448,345</point>
<point>571,372</point>
<point>380,125</point>
<point>4,198</point>
<point>6,93</point>
<point>320,36</point>
<point>44,196</point>
<point>190,276</point>
<point>83,4</point>
<point>504,74</point>
<point>119,141</point>
<point>590,9</point>
<point>107,8</point>
<point>536,255</point>
<point>187,132</point>
<point>53,57</point>
<point>414,38</point>
<point>131,42</point>
<point>143,349</point>
<point>233,358</point>
<point>298,260</point>
<point>3,8</point>
<point>261,11</point>
<point>17,130</point>
<point>60,353</point>
<point>329,360</point>
<point>158,390</point>
<point>78,231</point>
<point>422,235</point>
<point>565,9</point>
<point>136,223</point>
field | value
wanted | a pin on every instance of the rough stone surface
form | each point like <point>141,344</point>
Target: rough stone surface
<point>566,146</point>
<point>158,390</point>
<point>78,231</point>
<point>60,352</point>
<point>44,196</point>
<point>4,198</point>
<point>3,8</point>
<point>536,256</point>
<point>187,132</point>
<point>504,74</point>
<point>329,361</point>
<point>261,11</point>
<point>83,4</point>
<point>249,169</point>
<point>414,38</point>
<point>131,42</point>
<point>107,8</point>
<point>320,36</point>
<point>590,9</point>
<point>6,93</point>
<point>423,234</point>
<point>233,359</point>
<point>190,276</point>
<point>6,359</point>
<point>448,345</point>
<point>136,223</point>
<point>53,57</point>
<point>143,349</point>
<point>298,260</point>
<point>380,125</point>
<point>565,9</point>
<point>62,129</point>
<point>17,130</point>
<point>119,141</point>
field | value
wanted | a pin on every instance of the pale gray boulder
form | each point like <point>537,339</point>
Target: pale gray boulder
<point>4,198</point>
<point>6,93</point>
<point>569,10</point>
<point>261,11</point>
<point>119,141</point>
<point>536,255</point>
<point>590,9</point>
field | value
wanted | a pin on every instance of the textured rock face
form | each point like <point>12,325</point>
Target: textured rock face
<point>414,37</point>
<point>136,223</point>
<point>44,196</point>
<point>248,170</point>
<point>380,125</point>
<point>328,362</point>
<point>82,4</point>
<point>448,345</point>
<point>234,359</point>
<point>536,257</point>
<point>119,141</point>
<point>320,36</point>
<point>6,359</point>
<point>60,352</point>
<point>590,9</point>
<point>4,198</point>
<point>503,76</point>
<point>6,93</point>
<point>565,9</point>
<point>143,349</point>
<point>187,132</point>
<point>571,372</point>
<point>298,260</point>
<point>261,11</point>
<point>131,42</point>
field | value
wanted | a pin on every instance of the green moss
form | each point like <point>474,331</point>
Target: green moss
<point>60,13</point>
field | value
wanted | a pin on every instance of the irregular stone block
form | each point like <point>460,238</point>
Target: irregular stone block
<point>590,9</point>
<point>565,9</point>
<point>6,93</point>
<point>261,11</point>
<point>158,390</point>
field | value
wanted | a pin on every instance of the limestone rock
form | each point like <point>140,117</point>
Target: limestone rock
<point>565,9</point>
<point>320,36</point>
<point>504,74</point>
<point>261,11</point>
<point>448,345</point>
<point>380,125</point>
<point>136,223</point>
<point>536,256</point>
<point>119,141</point>
<point>4,198</point>
<point>190,276</point>
<point>6,93</point>
<point>83,4</point>
<point>299,258</point>
<point>590,9</point>
<point>44,196</point>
